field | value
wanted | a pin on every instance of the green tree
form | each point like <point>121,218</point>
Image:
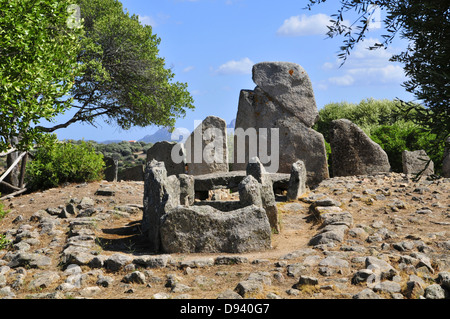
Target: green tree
<point>38,66</point>
<point>426,24</point>
<point>125,80</point>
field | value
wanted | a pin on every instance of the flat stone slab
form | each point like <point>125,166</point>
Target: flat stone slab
<point>232,179</point>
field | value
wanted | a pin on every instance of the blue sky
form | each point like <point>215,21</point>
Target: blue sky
<point>212,45</point>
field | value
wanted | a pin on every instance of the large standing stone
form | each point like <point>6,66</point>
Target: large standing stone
<point>206,147</point>
<point>289,85</point>
<point>161,193</point>
<point>205,229</point>
<point>282,109</point>
<point>446,159</point>
<point>353,152</point>
<point>415,162</point>
<point>162,152</point>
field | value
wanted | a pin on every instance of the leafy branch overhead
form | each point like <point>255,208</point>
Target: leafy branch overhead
<point>38,65</point>
<point>110,69</point>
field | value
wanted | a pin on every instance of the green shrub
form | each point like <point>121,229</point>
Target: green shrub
<point>55,163</point>
<point>400,136</point>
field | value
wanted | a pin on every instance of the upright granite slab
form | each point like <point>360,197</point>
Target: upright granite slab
<point>278,115</point>
<point>353,152</point>
<point>162,152</point>
<point>161,194</point>
<point>206,148</point>
<point>417,162</point>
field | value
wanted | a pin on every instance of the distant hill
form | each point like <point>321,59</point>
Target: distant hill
<point>160,135</point>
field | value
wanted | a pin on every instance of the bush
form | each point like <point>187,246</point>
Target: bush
<point>56,163</point>
<point>400,136</point>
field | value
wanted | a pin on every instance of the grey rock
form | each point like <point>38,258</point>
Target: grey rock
<point>179,287</point>
<point>42,280</point>
<point>117,261</point>
<point>206,147</point>
<point>361,276</point>
<point>32,260</point>
<point>136,277</point>
<point>435,291</point>
<point>297,181</point>
<point>291,137</point>
<point>105,281</point>
<point>161,295</point>
<point>443,279</point>
<point>161,193</point>
<point>249,288</point>
<point>229,294</point>
<point>414,289</point>
<point>340,218</point>
<point>162,152</point>
<point>197,263</point>
<point>72,269</point>
<point>105,191</point>
<point>204,229</point>
<point>257,170</point>
<point>353,152</point>
<point>6,293</point>
<point>250,192</point>
<point>326,238</point>
<point>230,260</point>
<point>366,294</point>
<point>306,280</point>
<point>387,286</point>
<point>334,262</point>
<point>376,263</point>
<point>289,84</point>
<point>415,162</point>
<point>75,254</point>
<point>90,291</point>
<point>294,270</point>
<point>151,261</point>
<point>187,189</point>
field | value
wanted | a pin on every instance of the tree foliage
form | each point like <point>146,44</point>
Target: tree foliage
<point>125,81</point>
<point>38,66</point>
<point>426,24</point>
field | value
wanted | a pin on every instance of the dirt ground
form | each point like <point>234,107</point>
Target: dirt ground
<point>356,194</point>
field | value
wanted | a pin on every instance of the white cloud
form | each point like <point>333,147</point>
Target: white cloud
<point>188,69</point>
<point>366,67</point>
<point>147,20</point>
<point>305,25</point>
<point>243,66</point>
